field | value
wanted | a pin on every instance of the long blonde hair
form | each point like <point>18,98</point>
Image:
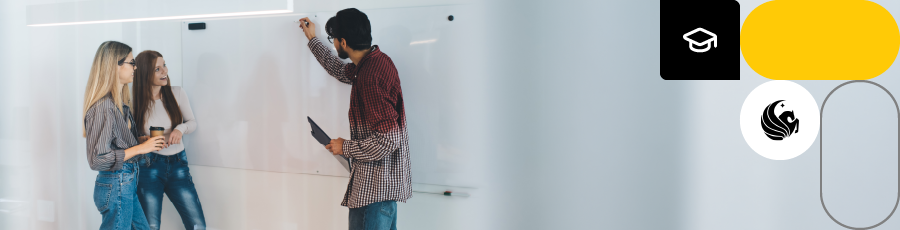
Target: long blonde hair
<point>104,77</point>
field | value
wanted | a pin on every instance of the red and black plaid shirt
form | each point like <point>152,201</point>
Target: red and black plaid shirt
<point>378,141</point>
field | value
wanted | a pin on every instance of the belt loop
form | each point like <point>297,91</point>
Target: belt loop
<point>149,158</point>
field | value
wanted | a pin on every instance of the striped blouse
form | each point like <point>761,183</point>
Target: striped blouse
<point>109,133</point>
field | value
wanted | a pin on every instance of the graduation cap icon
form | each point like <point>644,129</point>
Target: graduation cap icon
<point>701,37</point>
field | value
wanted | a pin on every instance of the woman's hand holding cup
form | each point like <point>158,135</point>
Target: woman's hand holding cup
<point>153,144</point>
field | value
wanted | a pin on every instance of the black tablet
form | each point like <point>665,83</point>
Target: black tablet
<point>325,140</point>
<point>318,133</point>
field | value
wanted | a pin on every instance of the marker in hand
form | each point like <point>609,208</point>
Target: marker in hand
<point>309,29</point>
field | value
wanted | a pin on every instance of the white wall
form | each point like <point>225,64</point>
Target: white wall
<point>15,159</point>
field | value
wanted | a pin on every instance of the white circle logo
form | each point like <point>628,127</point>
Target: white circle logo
<point>780,120</point>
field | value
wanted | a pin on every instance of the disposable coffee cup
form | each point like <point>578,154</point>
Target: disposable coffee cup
<point>156,131</point>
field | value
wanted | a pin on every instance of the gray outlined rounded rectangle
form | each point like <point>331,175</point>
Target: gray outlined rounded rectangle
<point>821,132</point>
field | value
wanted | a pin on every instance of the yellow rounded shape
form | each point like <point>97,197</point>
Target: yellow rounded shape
<point>820,40</point>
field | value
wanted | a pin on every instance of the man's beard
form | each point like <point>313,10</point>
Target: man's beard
<point>343,54</point>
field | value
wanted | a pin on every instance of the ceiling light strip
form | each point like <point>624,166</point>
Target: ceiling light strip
<point>169,17</point>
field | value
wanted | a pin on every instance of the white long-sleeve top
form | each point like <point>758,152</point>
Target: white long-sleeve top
<point>159,118</point>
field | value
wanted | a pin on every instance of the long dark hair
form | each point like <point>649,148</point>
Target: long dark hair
<point>143,96</point>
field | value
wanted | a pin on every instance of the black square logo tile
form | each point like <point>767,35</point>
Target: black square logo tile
<point>699,40</point>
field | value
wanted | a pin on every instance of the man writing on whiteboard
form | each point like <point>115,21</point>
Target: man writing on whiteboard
<point>378,144</point>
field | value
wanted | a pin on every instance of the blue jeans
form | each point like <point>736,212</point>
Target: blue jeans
<point>115,198</point>
<point>375,216</point>
<point>170,175</point>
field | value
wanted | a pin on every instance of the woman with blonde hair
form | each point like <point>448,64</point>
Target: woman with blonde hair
<point>112,146</point>
<point>158,104</point>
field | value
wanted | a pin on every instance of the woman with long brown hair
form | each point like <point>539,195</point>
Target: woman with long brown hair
<point>158,104</point>
<point>112,146</point>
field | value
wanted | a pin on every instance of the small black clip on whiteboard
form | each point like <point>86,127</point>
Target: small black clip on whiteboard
<point>197,26</point>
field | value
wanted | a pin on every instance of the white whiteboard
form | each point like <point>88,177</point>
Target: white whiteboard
<point>251,96</point>
<point>252,82</point>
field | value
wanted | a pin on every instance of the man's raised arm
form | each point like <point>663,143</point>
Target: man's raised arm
<point>332,64</point>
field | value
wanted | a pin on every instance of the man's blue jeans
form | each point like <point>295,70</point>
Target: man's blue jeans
<point>116,200</point>
<point>170,175</point>
<point>375,216</point>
